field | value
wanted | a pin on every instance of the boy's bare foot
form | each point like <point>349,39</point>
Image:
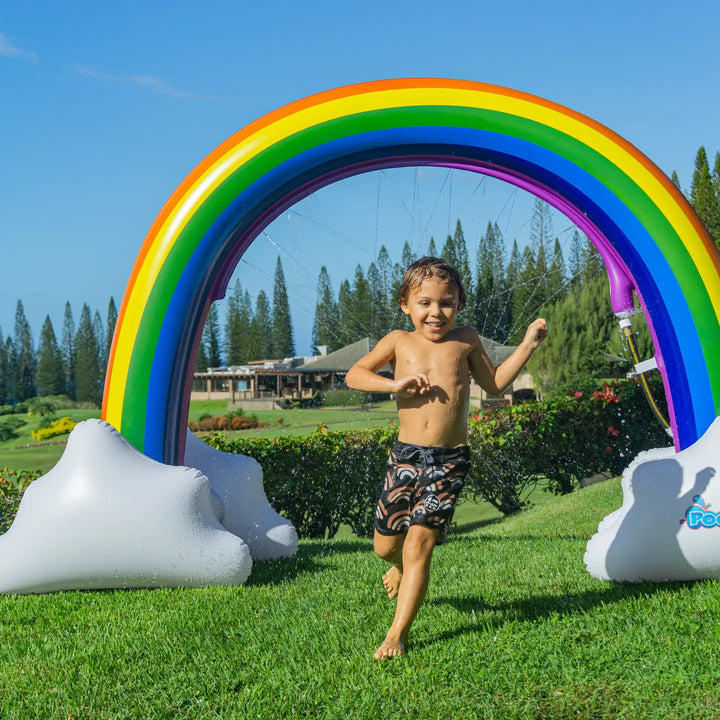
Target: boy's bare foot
<point>391,580</point>
<point>392,647</point>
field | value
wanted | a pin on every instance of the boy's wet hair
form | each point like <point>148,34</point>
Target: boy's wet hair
<point>427,267</point>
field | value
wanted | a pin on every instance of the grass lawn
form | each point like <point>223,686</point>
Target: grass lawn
<point>25,453</point>
<point>513,627</point>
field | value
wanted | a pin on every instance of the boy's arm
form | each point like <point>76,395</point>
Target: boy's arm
<point>493,379</point>
<point>363,374</point>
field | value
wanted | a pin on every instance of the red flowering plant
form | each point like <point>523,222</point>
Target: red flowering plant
<point>559,441</point>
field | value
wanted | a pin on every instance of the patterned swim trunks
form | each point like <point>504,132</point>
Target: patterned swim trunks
<point>422,485</point>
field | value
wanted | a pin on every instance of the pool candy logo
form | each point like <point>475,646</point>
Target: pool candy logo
<point>698,515</point>
<point>432,503</point>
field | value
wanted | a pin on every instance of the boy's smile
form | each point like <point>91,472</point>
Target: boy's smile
<point>432,306</point>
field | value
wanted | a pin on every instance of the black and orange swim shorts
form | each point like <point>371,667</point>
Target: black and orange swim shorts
<point>422,485</point>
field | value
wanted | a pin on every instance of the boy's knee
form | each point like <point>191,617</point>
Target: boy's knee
<point>420,542</point>
<point>388,547</point>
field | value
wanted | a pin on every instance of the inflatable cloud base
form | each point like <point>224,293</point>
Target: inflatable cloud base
<point>668,527</point>
<point>107,516</point>
<point>237,482</point>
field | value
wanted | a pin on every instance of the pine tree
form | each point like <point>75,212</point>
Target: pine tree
<point>555,284</point>
<point>575,259</point>
<point>512,273</point>
<point>449,252</point>
<point>462,265</point>
<point>345,313</point>
<point>716,192</point>
<point>407,258</point>
<point>246,316</point>
<point>490,305</point>
<point>390,277</point>
<point>283,344</point>
<point>50,375</point>
<point>101,338</point>
<point>361,317</point>
<point>541,273</point>
<point>236,328</point>
<point>67,348</point>
<point>432,248</point>
<point>526,295</point>
<point>11,363</point>
<point>541,225</point>
<point>703,196</point>
<point>325,325</point>
<point>592,265</point>
<point>259,347</point>
<point>379,316</point>
<point>675,180</point>
<point>111,322</point>
<point>398,319</point>
<point>4,398</point>
<point>88,377</point>
<point>211,337</point>
<point>27,363</point>
<point>201,358</point>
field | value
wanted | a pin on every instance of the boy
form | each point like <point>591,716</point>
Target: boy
<point>427,466</point>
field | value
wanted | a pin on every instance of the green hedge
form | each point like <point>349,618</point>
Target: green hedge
<point>322,480</point>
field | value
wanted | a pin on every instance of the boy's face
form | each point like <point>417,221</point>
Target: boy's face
<point>432,306</point>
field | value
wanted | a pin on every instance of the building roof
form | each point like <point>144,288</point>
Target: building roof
<point>346,357</point>
<point>342,359</point>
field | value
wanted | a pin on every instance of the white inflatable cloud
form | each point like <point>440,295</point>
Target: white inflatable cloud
<point>665,528</point>
<point>237,482</point>
<point>107,516</point>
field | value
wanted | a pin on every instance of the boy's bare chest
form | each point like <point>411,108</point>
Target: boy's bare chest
<point>440,361</point>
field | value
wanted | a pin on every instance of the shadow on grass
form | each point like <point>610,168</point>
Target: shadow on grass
<point>310,558</point>
<point>469,527</point>
<point>540,607</point>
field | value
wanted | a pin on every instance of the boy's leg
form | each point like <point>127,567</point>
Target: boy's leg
<point>416,557</point>
<point>390,548</point>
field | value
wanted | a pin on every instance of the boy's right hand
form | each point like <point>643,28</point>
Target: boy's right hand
<point>412,385</point>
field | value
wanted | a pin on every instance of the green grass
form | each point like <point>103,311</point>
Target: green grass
<point>513,627</point>
<point>25,453</point>
<point>305,421</point>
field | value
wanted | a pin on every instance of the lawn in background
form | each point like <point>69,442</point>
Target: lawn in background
<point>513,627</point>
<point>25,453</point>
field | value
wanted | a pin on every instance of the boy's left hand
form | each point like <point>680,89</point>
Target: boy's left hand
<point>536,333</point>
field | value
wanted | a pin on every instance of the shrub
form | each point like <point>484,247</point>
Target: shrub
<point>47,405</point>
<point>231,421</point>
<point>322,480</point>
<point>9,425</point>
<point>13,484</point>
<point>562,440</point>
<point>58,427</point>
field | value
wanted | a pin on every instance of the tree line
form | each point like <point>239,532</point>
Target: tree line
<point>73,365</point>
<point>505,290</point>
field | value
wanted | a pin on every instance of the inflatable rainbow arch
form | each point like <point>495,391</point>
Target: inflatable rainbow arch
<point>648,235</point>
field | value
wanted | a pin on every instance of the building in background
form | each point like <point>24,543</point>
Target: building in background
<point>267,384</point>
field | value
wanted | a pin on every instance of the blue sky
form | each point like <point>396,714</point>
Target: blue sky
<point>105,107</point>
